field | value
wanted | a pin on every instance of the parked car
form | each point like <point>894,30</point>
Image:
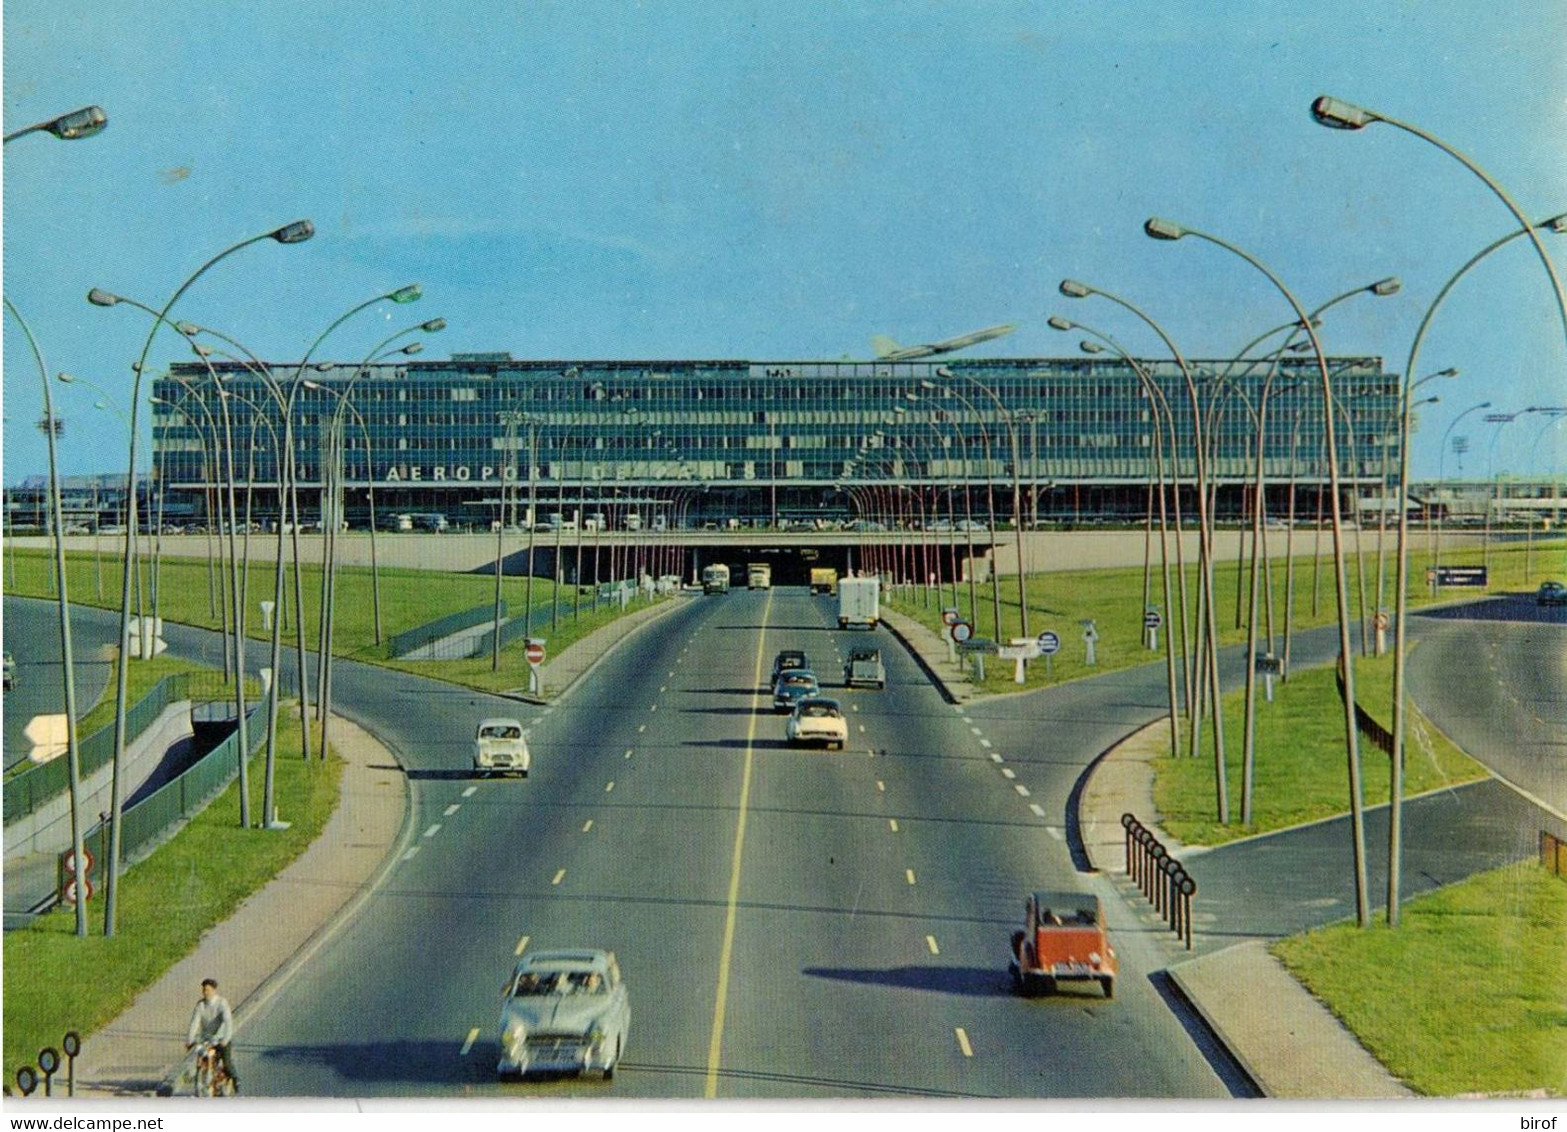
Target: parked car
<point>1063,938</point>
<point>864,669</point>
<point>1551,593</point>
<point>564,1011</point>
<point>816,720</point>
<point>793,686</point>
<point>499,745</point>
<point>785,660</point>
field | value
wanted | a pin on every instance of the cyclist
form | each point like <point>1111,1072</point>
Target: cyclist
<point>212,1023</point>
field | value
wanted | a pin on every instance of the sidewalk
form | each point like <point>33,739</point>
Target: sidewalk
<point>252,952</point>
<point>1287,1042</point>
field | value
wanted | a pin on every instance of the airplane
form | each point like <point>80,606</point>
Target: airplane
<point>889,351</point>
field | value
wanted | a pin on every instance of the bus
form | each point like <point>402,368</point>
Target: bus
<point>715,579</point>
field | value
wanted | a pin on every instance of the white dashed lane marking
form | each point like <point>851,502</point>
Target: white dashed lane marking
<point>909,875</point>
<point>930,942</point>
<point>1038,810</point>
<point>433,830</point>
<point>470,792</point>
<point>452,809</point>
<point>522,945</point>
<point>473,1036</point>
<point>968,1050</point>
<point>560,876</point>
<point>587,825</point>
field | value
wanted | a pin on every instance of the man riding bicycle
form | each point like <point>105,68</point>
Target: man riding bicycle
<point>212,1023</point>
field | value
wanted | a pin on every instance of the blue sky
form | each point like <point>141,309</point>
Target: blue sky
<point>781,181</point>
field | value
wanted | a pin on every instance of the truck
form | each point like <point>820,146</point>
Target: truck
<point>824,580</point>
<point>715,579</point>
<point>758,576</point>
<point>859,603</point>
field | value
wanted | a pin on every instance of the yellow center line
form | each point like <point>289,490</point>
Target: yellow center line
<point>716,1041</point>
<point>560,876</point>
<point>930,942</point>
<point>909,875</point>
<point>968,1050</point>
<point>522,945</point>
<point>894,823</point>
<point>587,825</point>
<point>473,1036</point>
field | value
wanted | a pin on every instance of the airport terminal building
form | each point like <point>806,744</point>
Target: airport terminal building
<point>466,441</point>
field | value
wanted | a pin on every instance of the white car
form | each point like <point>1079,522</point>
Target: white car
<point>499,746</point>
<point>564,1011</point>
<point>817,720</point>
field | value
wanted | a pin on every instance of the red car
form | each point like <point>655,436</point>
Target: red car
<point>1063,938</point>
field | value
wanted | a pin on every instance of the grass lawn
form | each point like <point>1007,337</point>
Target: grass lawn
<point>1300,769</point>
<point>1113,600</point>
<point>55,982</point>
<point>409,598</point>
<point>1466,996</point>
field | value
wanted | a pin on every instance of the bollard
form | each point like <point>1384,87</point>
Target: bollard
<point>1172,869</point>
<point>1156,856</point>
<point>1188,890</point>
<point>27,1080</point>
<point>72,1045</point>
<point>1127,822</point>
<point>48,1061</point>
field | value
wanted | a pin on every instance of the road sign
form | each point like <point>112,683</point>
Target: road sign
<point>950,616</point>
<point>1381,620</point>
<point>1019,650</point>
<point>1456,576</point>
<point>69,860</point>
<point>1153,619</point>
<point>1269,665</point>
<point>535,653</point>
<point>960,631</point>
<point>981,645</point>
<point>48,735</point>
<point>68,893</point>
<point>1049,643</point>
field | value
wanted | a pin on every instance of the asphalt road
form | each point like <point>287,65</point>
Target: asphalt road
<point>32,635</point>
<point>1493,677</point>
<point>791,923</point>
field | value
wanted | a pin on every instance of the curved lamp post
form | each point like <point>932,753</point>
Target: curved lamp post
<point>1401,570</point>
<point>1076,290</point>
<point>63,603</point>
<point>294,233</point>
<point>1165,230</point>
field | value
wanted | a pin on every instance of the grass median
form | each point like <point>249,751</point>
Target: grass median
<point>1114,599</point>
<point>1300,772</point>
<point>55,981</point>
<point>1465,996</point>
<point>409,598</point>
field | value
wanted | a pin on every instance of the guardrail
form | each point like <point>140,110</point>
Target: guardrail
<point>407,641</point>
<point>1553,853</point>
<point>1379,735</point>
<point>1162,879</point>
<point>155,817</point>
<point>29,789</point>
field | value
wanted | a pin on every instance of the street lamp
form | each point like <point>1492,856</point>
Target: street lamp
<point>294,233</point>
<point>83,123</point>
<point>63,604</point>
<point>1160,229</point>
<point>1337,114</point>
<point>1076,290</point>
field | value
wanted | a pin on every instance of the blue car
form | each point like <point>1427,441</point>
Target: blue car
<point>793,686</point>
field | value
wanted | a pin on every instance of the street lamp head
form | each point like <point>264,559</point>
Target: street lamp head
<point>200,350</point>
<point>1392,285</point>
<point>1452,371</point>
<point>1163,229</point>
<point>1056,322</point>
<point>296,233</point>
<point>1556,224</point>
<point>65,378</point>
<point>433,326</point>
<point>412,348</point>
<point>100,404</point>
<point>189,329</point>
<point>928,385</point>
<point>316,385</point>
<point>406,294</point>
<point>83,123</point>
<point>1090,347</point>
<point>944,372</point>
<point>1340,115</point>
<point>1431,400</point>
<point>1074,290</point>
<point>98,297</point>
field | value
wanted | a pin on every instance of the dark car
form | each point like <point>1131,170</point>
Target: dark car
<point>1551,593</point>
<point>793,686</point>
<point>785,661</point>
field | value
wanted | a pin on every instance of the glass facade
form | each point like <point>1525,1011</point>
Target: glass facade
<point>755,440</point>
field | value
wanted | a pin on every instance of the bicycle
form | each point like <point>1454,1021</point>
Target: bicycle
<point>212,1079</point>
